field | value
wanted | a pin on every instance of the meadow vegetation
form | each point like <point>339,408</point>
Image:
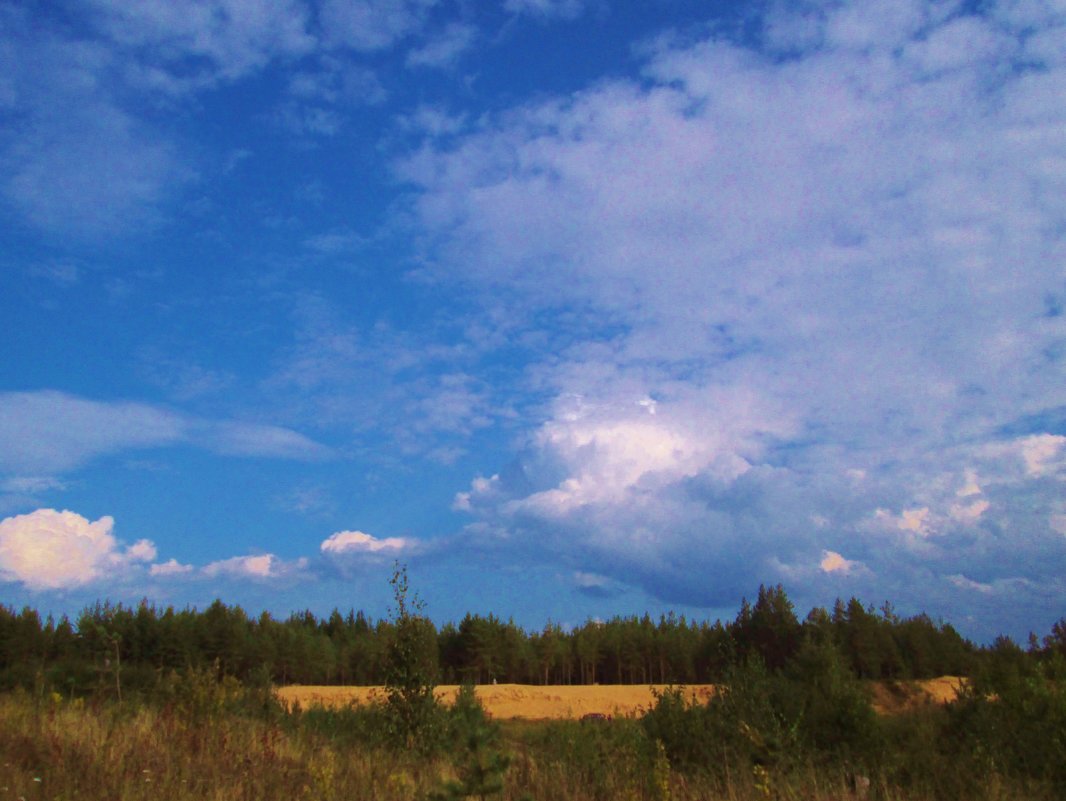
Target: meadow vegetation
<point>793,720</point>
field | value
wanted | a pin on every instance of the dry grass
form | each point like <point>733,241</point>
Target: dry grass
<point>570,702</point>
<point>60,750</point>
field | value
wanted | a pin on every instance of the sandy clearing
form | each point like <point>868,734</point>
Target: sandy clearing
<point>572,701</point>
<point>515,700</point>
<point>903,696</point>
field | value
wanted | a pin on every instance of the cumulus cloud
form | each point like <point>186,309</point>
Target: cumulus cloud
<point>348,553</point>
<point>1044,454</point>
<point>50,550</point>
<point>653,499</point>
<point>832,562</point>
<point>50,432</point>
<point>171,567</point>
<point>357,542</point>
<point>854,239</point>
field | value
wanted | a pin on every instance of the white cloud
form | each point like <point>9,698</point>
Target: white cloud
<point>595,585</point>
<point>259,567</point>
<point>358,542</point>
<point>832,562</point>
<point>141,551</point>
<point>911,521</point>
<point>964,583</point>
<point>853,240</point>
<point>1044,454</point>
<point>481,488</point>
<point>607,452</point>
<point>237,438</point>
<point>969,513</point>
<point>49,432</point>
<point>171,567</point>
<point>349,552</point>
<point>755,218</point>
<point>50,550</point>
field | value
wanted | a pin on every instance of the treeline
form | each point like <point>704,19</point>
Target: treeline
<point>137,644</point>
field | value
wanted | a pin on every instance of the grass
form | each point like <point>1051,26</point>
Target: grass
<point>235,745</point>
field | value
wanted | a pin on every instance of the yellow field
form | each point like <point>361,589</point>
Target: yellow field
<point>514,700</point>
<point>570,701</point>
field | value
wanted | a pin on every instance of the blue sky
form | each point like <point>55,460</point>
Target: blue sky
<point>578,308</point>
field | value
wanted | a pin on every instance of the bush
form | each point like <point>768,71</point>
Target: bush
<point>1012,723</point>
<point>836,722</point>
<point>479,763</point>
<point>685,732</point>
<point>814,713</point>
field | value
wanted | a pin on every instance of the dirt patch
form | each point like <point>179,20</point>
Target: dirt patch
<point>894,697</point>
<point>516,700</point>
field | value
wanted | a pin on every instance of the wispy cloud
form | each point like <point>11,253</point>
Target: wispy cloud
<point>403,385</point>
<point>369,25</point>
<point>231,37</point>
<point>548,9</point>
<point>51,432</point>
<point>444,50</point>
<point>80,157</point>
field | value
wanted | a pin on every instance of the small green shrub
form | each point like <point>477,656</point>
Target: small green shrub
<point>479,763</point>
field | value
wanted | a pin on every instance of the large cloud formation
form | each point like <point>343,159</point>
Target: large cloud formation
<point>829,260</point>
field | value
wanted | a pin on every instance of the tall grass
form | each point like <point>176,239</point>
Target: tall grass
<point>197,737</point>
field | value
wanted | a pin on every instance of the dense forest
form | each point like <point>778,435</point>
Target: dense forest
<point>137,644</point>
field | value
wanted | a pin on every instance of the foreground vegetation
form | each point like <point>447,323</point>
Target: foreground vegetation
<point>97,718</point>
<point>770,736</point>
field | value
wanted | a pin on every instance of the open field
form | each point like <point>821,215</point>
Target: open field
<point>505,701</point>
<point>561,702</point>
